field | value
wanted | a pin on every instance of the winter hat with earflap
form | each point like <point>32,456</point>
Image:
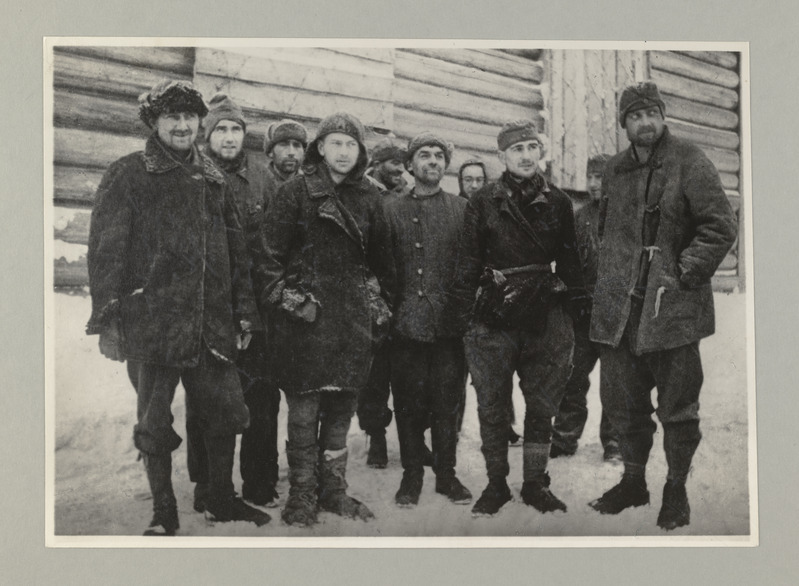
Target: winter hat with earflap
<point>596,164</point>
<point>636,97</point>
<point>170,96</point>
<point>345,124</point>
<point>221,107</point>
<point>516,131</point>
<point>285,130</point>
<point>429,139</point>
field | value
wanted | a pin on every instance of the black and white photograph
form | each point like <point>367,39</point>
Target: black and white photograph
<point>398,293</point>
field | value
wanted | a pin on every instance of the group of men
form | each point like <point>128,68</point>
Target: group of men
<point>325,275</point>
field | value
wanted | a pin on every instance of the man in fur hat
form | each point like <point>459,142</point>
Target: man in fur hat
<point>171,294</point>
<point>284,145</point>
<point>323,242</point>
<point>225,129</point>
<point>665,226</point>
<point>573,411</point>
<point>428,368</point>
<point>515,308</point>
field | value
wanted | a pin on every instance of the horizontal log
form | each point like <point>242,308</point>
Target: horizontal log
<point>729,180</point>
<point>103,77</point>
<point>726,59</point>
<point>290,103</point>
<point>75,185</point>
<point>702,135</point>
<point>70,274</point>
<point>724,161</point>
<point>75,228</point>
<point>304,72</point>
<point>177,60</point>
<point>86,148</point>
<point>490,60</point>
<point>696,91</point>
<point>467,79</point>
<point>532,54</point>
<point>380,54</point>
<point>701,114</point>
<point>693,68</point>
<point>116,115</point>
<point>464,134</point>
<point>455,104</point>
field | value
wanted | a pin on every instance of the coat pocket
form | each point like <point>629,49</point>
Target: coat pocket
<point>673,301</point>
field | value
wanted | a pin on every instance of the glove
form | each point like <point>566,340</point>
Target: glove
<point>111,341</point>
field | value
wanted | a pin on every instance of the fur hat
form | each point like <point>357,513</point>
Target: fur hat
<point>516,131</point>
<point>168,96</point>
<point>285,130</point>
<point>596,164</point>
<point>221,107</point>
<point>635,97</point>
<point>345,124</point>
<point>386,150</point>
<point>428,139</point>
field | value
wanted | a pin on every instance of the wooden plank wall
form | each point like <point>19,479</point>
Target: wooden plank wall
<point>95,119</point>
<point>701,90</point>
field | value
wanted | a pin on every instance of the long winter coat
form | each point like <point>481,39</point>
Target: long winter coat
<point>697,228</point>
<point>321,240</point>
<point>167,257</point>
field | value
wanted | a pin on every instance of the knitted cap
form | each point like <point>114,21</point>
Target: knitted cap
<point>516,131</point>
<point>221,107</point>
<point>343,123</point>
<point>636,97</point>
<point>596,164</point>
<point>386,150</point>
<point>285,130</point>
<point>169,96</point>
<point>429,139</point>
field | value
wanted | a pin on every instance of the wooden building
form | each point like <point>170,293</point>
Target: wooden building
<point>465,94</point>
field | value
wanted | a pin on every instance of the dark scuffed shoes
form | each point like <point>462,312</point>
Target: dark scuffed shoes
<point>536,493</point>
<point>262,495</point>
<point>378,452</point>
<point>410,488</point>
<point>232,508</point>
<point>557,451</point>
<point>630,492</point>
<point>675,510</point>
<point>164,524</point>
<point>453,490</point>
<point>495,495</point>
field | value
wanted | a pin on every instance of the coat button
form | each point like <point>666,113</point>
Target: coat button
<point>420,270</point>
<point>420,293</point>
<point>418,245</point>
<point>416,220</point>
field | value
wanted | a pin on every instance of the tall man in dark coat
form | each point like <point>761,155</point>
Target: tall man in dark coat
<point>171,294</point>
<point>248,179</point>
<point>514,229</point>
<point>665,227</point>
<point>428,367</point>
<point>573,411</point>
<point>322,249</point>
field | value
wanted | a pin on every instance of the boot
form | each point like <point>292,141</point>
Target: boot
<point>333,485</point>
<point>262,495</point>
<point>223,505</point>
<point>612,453</point>
<point>675,510</point>
<point>495,495</point>
<point>410,488</point>
<point>630,492</point>
<point>300,508</point>
<point>378,456</point>
<point>556,451</point>
<point>536,493</point>
<point>165,508</point>
<point>452,488</point>
<point>201,490</point>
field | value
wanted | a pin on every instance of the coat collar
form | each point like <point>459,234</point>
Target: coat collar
<point>502,193</point>
<point>157,159</point>
<point>321,186</point>
<point>630,163</point>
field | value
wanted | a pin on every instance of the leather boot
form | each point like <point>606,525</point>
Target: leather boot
<point>300,508</point>
<point>675,510</point>
<point>223,505</point>
<point>333,486</point>
<point>165,508</point>
<point>378,451</point>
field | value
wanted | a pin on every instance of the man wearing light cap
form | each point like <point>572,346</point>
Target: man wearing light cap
<point>171,294</point>
<point>514,310</point>
<point>665,226</point>
<point>428,368</point>
<point>323,245</point>
<point>225,129</point>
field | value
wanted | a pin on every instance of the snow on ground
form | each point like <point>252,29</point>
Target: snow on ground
<point>101,489</point>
